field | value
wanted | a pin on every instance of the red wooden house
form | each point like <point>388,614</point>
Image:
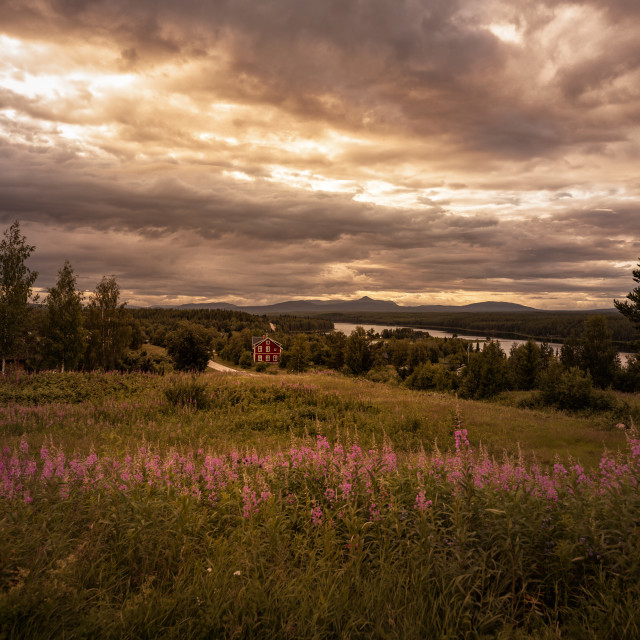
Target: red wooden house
<point>266,349</point>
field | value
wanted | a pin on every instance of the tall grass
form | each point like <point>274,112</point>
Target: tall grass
<point>306,507</point>
<point>321,540</point>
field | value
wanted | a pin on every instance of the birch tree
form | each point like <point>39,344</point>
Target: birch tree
<point>109,329</point>
<point>16,285</point>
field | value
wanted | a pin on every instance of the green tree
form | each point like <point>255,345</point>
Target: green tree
<point>336,342</point>
<point>431,376</point>
<point>525,364</point>
<point>299,354</point>
<point>107,322</point>
<point>598,356</point>
<point>570,351</point>
<point>486,374</point>
<point>189,346</point>
<point>567,389</point>
<point>630,308</point>
<point>356,352</point>
<point>64,331</point>
<point>16,282</point>
<point>237,345</point>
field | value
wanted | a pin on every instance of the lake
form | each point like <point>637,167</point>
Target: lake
<point>506,344</point>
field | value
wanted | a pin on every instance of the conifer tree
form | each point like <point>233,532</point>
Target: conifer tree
<point>16,282</point>
<point>65,343</point>
<point>631,307</point>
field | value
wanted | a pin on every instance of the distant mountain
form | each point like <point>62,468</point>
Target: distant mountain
<point>361,305</point>
<point>204,305</point>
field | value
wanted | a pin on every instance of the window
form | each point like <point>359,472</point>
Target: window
<point>268,358</point>
<point>275,358</point>
<point>259,358</point>
<point>259,348</point>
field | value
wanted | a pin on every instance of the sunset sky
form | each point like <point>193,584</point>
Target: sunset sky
<point>423,151</point>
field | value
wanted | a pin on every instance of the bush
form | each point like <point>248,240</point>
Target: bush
<point>429,376</point>
<point>572,390</point>
<point>188,392</point>
<point>383,374</point>
<point>569,389</point>
<point>246,360</point>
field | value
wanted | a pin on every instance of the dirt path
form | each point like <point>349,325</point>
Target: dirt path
<point>224,369</point>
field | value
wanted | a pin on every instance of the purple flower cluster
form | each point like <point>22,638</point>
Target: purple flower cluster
<point>326,478</point>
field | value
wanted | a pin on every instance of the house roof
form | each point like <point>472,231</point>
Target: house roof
<point>256,340</point>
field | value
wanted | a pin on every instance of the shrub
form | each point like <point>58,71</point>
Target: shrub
<point>431,376</point>
<point>188,392</point>
<point>246,360</point>
<point>572,390</point>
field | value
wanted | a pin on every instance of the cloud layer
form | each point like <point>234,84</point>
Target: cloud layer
<point>440,151</point>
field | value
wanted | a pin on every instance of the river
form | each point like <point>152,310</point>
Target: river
<point>506,344</point>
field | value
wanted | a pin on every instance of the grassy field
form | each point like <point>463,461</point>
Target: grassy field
<point>310,506</point>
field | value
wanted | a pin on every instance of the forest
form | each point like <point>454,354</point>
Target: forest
<point>542,326</point>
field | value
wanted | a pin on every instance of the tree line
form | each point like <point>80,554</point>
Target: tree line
<point>542,326</point>
<point>66,331</point>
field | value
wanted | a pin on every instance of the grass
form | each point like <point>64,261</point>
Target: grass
<point>308,506</point>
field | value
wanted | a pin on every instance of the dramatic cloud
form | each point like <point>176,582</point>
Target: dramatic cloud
<point>425,151</point>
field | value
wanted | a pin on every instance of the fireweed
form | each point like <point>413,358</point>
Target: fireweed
<point>327,477</point>
<point>323,540</point>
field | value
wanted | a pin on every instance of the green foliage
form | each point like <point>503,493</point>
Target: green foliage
<point>108,326</point>
<point>70,387</point>
<point>569,389</point>
<point>64,331</point>
<point>357,357</point>
<point>166,559</point>
<point>158,322</point>
<point>190,393</point>
<point>543,326</point>
<point>598,356</point>
<point>434,377</point>
<point>630,308</point>
<point>486,374</point>
<point>190,347</point>
<point>572,390</point>
<point>246,360</point>
<point>383,374</point>
<point>525,365</point>
<point>592,351</point>
<point>144,361</point>
<point>628,378</point>
<point>298,354</point>
<point>16,282</point>
<point>291,324</point>
<point>236,346</point>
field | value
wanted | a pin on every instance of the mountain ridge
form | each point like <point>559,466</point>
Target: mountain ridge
<point>366,303</point>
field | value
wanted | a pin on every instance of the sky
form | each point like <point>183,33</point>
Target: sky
<point>255,151</point>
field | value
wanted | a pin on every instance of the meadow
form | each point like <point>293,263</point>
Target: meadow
<point>308,506</point>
